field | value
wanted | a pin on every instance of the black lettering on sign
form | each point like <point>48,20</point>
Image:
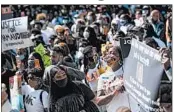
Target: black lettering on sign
<point>4,37</point>
<point>15,36</point>
<point>29,100</point>
<point>12,29</point>
<point>8,24</point>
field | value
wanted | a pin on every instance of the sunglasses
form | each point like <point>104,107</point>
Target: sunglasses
<point>31,77</point>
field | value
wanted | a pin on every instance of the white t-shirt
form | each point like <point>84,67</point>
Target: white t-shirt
<point>94,82</point>
<point>46,34</point>
<point>105,83</point>
<point>33,103</point>
<point>26,89</point>
<point>6,107</point>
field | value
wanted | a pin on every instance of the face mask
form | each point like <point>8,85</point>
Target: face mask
<point>99,21</point>
<point>96,31</point>
<point>116,43</point>
<point>21,57</point>
<point>94,9</point>
<point>123,22</point>
<point>81,49</point>
<point>42,21</point>
<point>63,11</point>
<point>65,21</point>
<point>61,83</point>
<point>91,59</point>
<point>114,27</point>
<point>53,62</point>
<point>145,12</point>
<point>31,63</point>
<point>89,18</point>
<point>86,35</point>
<point>76,34</point>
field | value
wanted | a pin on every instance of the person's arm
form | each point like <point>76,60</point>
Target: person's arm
<point>102,98</point>
<point>169,73</point>
<point>46,77</point>
<point>165,54</point>
<point>45,101</point>
<point>105,99</point>
<point>167,31</point>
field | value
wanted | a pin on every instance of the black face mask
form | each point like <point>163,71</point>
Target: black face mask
<point>91,59</point>
<point>61,83</point>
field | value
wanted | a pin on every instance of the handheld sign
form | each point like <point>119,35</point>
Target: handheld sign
<point>125,44</point>
<point>6,13</point>
<point>16,92</point>
<point>15,34</point>
<point>142,75</point>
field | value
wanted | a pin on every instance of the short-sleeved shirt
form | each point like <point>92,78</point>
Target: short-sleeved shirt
<point>33,102</point>
<point>105,83</point>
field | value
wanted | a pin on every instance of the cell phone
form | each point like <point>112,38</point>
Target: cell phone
<point>37,64</point>
<point>31,63</point>
<point>165,92</point>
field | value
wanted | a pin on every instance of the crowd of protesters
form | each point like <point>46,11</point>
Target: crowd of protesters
<point>81,47</point>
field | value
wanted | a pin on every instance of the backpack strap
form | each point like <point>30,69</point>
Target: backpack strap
<point>41,97</point>
<point>25,110</point>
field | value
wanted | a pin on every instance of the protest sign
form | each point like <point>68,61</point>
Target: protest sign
<point>142,75</point>
<point>6,13</point>
<point>125,44</point>
<point>15,83</point>
<point>15,33</point>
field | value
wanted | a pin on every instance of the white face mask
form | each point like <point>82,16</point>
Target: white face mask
<point>116,43</point>
<point>89,18</point>
<point>145,12</point>
<point>65,21</point>
<point>99,21</point>
<point>96,31</point>
<point>42,21</point>
<point>81,49</point>
<point>86,35</point>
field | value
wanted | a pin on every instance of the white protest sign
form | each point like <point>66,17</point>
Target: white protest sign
<point>15,33</point>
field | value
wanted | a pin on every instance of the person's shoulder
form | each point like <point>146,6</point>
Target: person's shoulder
<point>105,75</point>
<point>42,91</point>
<point>161,23</point>
<point>78,83</point>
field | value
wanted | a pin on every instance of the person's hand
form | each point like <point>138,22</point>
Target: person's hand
<point>119,86</point>
<point>165,57</point>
